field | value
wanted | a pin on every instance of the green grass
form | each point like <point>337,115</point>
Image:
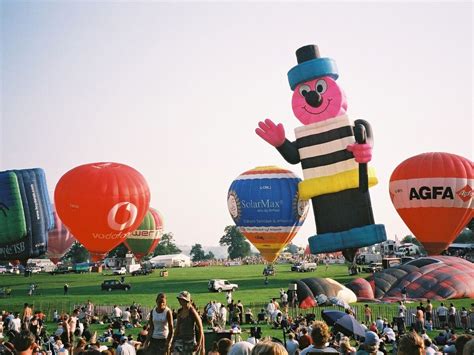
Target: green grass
<point>252,290</point>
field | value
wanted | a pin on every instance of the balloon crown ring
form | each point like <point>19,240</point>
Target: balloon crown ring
<point>311,66</point>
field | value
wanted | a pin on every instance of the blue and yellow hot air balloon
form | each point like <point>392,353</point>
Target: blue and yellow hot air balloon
<point>265,205</point>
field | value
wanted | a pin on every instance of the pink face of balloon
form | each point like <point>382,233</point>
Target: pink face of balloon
<point>318,100</point>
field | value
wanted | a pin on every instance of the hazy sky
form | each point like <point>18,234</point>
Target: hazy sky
<point>175,90</point>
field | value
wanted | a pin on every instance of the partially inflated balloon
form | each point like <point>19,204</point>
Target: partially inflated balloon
<point>101,203</point>
<point>147,236</point>
<point>25,214</point>
<point>265,206</point>
<point>59,240</point>
<point>432,193</point>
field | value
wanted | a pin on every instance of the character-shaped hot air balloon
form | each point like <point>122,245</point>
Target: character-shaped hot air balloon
<point>265,205</point>
<point>25,214</point>
<point>144,240</point>
<point>329,147</point>
<point>432,192</point>
<point>59,240</point>
<point>101,203</point>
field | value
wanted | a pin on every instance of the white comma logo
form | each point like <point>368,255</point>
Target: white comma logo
<point>113,214</point>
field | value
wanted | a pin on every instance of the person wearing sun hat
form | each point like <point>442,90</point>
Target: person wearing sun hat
<point>186,340</point>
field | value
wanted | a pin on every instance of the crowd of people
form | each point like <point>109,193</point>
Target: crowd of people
<point>169,331</point>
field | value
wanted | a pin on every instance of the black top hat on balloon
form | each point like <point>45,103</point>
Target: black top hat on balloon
<point>311,66</point>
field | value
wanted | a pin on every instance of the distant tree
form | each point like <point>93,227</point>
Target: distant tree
<point>118,252</point>
<point>466,236</point>
<point>238,247</point>
<point>291,248</point>
<point>197,253</point>
<point>210,255</point>
<point>166,246</point>
<point>77,254</point>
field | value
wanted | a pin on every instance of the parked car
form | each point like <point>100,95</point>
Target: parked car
<point>61,270</point>
<point>373,267</point>
<point>304,267</point>
<point>221,285</point>
<point>142,271</point>
<point>109,285</point>
<point>121,271</point>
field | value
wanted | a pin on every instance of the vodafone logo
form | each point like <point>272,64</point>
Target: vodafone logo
<point>111,218</point>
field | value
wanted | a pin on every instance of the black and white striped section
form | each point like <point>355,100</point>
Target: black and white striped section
<point>322,147</point>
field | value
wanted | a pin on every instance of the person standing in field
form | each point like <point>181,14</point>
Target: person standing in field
<point>189,336</point>
<point>160,332</point>
<point>367,314</point>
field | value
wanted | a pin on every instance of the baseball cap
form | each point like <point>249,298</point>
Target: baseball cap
<point>371,338</point>
<point>184,295</point>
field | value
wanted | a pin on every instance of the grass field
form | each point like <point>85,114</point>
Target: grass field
<point>252,290</point>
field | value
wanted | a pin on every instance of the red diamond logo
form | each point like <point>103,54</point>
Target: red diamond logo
<point>465,193</point>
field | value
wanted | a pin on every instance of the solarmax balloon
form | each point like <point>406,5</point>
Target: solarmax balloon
<point>265,205</point>
<point>101,203</point>
<point>432,193</point>
<point>144,240</point>
<point>59,241</point>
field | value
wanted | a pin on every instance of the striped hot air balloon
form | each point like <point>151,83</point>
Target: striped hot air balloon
<point>432,193</point>
<point>147,236</point>
<point>265,205</point>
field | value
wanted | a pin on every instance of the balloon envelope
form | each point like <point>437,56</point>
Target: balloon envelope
<point>59,240</point>
<point>101,203</point>
<point>147,236</point>
<point>432,193</point>
<point>25,214</point>
<point>265,206</point>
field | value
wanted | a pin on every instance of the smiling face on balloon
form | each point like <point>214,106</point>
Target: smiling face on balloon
<point>318,100</point>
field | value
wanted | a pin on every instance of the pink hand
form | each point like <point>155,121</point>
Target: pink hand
<point>271,133</point>
<point>362,152</point>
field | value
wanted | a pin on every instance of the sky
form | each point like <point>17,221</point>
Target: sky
<point>176,89</point>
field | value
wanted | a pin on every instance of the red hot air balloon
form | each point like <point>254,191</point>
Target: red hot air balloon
<point>100,203</point>
<point>59,240</point>
<point>432,192</point>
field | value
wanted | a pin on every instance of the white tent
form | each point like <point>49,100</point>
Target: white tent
<point>172,260</point>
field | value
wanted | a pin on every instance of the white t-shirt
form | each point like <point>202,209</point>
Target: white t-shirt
<point>223,314</point>
<point>126,316</point>
<point>15,324</point>
<point>442,311</point>
<point>117,312</point>
<point>126,349</point>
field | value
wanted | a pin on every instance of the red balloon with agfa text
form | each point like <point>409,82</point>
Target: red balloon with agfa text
<point>432,193</point>
<point>100,203</point>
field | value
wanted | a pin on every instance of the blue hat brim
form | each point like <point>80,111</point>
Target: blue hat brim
<point>312,69</point>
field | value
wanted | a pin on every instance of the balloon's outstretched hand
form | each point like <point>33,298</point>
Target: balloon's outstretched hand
<point>362,152</point>
<point>271,133</point>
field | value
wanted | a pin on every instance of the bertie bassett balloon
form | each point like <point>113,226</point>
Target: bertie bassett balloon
<point>432,193</point>
<point>101,203</point>
<point>333,153</point>
<point>144,240</point>
<point>59,240</point>
<point>265,205</point>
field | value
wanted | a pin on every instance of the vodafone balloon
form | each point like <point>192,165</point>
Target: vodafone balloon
<point>100,203</point>
<point>432,193</point>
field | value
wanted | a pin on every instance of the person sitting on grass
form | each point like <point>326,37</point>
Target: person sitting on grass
<point>411,344</point>
<point>370,346</point>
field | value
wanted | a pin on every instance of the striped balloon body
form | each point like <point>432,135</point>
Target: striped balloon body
<point>265,206</point>
<point>432,193</point>
<point>59,240</point>
<point>147,236</point>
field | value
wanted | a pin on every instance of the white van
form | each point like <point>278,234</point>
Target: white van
<point>221,285</point>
